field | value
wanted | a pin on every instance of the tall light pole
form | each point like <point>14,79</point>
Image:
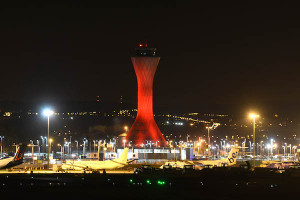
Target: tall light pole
<point>99,141</point>
<point>42,142</point>
<point>1,145</point>
<point>60,151</point>
<point>84,141</point>
<point>77,147</point>
<point>70,145</point>
<point>126,131</point>
<point>50,142</point>
<point>283,151</point>
<point>208,139</point>
<point>94,141</point>
<point>48,113</point>
<point>253,116</point>
<point>271,149</point>
<point>38,143</point>
<point>46,144</point>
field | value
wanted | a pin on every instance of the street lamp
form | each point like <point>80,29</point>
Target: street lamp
<point>42,142</point>
<point>99,143</point>
<point>50,141</point>
<point>271,149</point>
<point>70,145</point>
<point>295,152</point>
<point>208,128</point>
<point>48,113</point>
<point>38,143</point>
<point>1,145</point>
<point>294,149</point>
<point>94,141</point>
<point>253,116</point>
<point>84,144</point>
<point>77,147</point>
<point>60,151</point>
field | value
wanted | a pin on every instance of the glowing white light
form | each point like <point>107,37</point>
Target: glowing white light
<point>48,112</point>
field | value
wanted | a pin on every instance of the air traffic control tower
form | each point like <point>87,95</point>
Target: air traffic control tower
<point>144,128</point>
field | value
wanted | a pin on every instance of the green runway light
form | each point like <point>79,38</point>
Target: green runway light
<point>131,180</point>
<point>161,182</point>
<point>148,181</point>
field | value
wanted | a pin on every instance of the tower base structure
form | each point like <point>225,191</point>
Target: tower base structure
<point>145,131</point>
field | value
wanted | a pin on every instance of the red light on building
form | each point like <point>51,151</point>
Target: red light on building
<point>144,128</point>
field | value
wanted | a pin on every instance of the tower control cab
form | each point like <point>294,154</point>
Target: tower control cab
<point>143,50</point>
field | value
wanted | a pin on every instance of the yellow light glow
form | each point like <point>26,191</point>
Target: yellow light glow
<point>253,115</point>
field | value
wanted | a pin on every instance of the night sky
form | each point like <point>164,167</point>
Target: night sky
<point>214,57</point>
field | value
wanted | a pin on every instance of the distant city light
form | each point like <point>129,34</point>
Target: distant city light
<point>179,123</point>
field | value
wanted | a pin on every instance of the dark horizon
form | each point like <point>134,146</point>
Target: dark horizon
<point>234,110</point>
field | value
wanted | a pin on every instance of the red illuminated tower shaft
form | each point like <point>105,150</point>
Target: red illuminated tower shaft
<point>145,128</point>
